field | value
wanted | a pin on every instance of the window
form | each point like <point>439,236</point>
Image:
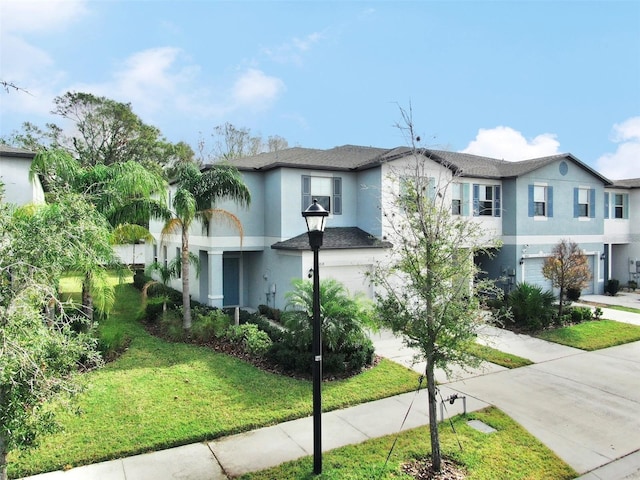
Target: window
<point>620,201</point>
<point>456,201</point>
<point>326,190</point>
<point>179,272</point>
<point>584,202</point>
<point>164,254</point>
<point>541,201</point>
<point>486,200</point>
<point>155,253</point>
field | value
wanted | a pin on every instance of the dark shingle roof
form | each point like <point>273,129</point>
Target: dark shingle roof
<point>627,183</point>
<point>353,157</point>
<point>347,157</point>
<point>335,238</point>
<point>7,151</point>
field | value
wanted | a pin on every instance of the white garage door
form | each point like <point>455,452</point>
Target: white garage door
<point>351,276</point>
<point>533,273</point>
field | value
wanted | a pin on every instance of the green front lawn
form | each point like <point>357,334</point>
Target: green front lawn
<point>160,394</point>
<point>593,335</point>
<point>493,355</point>
<point>510,453</point>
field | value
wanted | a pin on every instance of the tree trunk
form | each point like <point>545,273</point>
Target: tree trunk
<point>436,457</point>
<point>87,298</point>
<point>186,301</point>
<point>3,459</point>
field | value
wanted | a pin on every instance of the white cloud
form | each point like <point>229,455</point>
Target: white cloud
<point>256,90</point>
<point>40,15</point>
<point>293,50</point>
<point>508,144</point>
<point>625,161</point>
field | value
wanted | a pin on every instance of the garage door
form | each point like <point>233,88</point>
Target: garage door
<point>533,273</point>
<point>351,276</point>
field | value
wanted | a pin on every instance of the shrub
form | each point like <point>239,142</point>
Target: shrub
<point>152,311</point>
<point>171,326</point>
<point>581,314</point>
<point>253,340</point>
<point>612,287</point>
<point>531,307</point>
<point>270,312</point>
<point>140,279</point>
<point>111,345</point>
<point>633,285</point>
<point>209,324</point>
<point>573,294</point>
<point>597,313</point>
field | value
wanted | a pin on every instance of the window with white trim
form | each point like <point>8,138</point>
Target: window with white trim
<point>619,206</point>
<point>456,199</point>
<point>326,190</point>
<point>540,201</point>
<point>583,202</point>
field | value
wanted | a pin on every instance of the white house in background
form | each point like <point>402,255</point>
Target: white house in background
<point>15,164</point>
<point>529,205</point>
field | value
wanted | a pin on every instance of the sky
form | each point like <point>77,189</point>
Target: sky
<point>505,79</point>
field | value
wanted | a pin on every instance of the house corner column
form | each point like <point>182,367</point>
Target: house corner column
<point>215,296</point>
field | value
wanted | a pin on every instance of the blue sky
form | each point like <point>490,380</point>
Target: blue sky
<point>507,79</point>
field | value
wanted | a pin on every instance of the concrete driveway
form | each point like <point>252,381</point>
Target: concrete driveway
<point>584,406</point>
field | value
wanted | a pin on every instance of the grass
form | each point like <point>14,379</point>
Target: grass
<point>593,335</point>
<point>511,453</point>
<point>493,355</point>
<point>160,394</point>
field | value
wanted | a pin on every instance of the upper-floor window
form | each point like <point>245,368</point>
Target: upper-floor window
<point>486,200</point>
<point>178,256</point>
<point>460,198</point>
<point>584,202</point>
<point>326,190</point>
<point>619,204</point>
<point>541,201</point>
<point>456,199</point>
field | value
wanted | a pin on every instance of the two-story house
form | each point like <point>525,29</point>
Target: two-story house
<point>530,205</point>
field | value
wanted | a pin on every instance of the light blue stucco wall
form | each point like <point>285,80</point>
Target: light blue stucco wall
<point>369,191</point>
<point>251,218</point>
<point>563,221</point>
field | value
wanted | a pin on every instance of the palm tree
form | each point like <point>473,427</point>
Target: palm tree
<point>125,194</point>
<point>195,199</point>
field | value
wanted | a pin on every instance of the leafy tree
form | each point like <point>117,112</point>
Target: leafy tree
<point>103,132</point>
<point>343,317</point>
<point>40,352</point>
<point>125,194</point>
<point>233,142</point>
<point>194,200</point>
<point>567,267</point>
<point>428,287</point>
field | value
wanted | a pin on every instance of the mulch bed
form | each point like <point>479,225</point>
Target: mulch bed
<point>422,470</point>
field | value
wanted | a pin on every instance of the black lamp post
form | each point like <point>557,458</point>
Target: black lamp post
<point>316,216</point>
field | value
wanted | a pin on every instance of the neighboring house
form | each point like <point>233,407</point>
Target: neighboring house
<point>15,164</point>
<point>530,205</point>
<point>622,230</point>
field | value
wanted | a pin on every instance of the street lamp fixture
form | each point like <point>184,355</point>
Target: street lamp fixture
<point>316,217</point>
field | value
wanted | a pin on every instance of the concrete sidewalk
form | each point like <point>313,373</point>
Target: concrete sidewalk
<point>583,405</point>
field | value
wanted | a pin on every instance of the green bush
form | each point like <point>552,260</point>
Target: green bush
<point>253,340</point>
<point>112,344</point>
<point>531,307</point>
<point>209,324</point>
<point>171,326</point>
<point>612,287</point>
<point>140,279</point>
<point>632,285</point>
<point>270,312</point>
<point>581,314</point>
<point>573,294</point>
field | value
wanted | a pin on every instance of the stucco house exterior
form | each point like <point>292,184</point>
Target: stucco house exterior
<point>529,205</point>
<point>14,173</point>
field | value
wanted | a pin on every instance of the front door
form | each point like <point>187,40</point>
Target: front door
<point>231,281</point>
